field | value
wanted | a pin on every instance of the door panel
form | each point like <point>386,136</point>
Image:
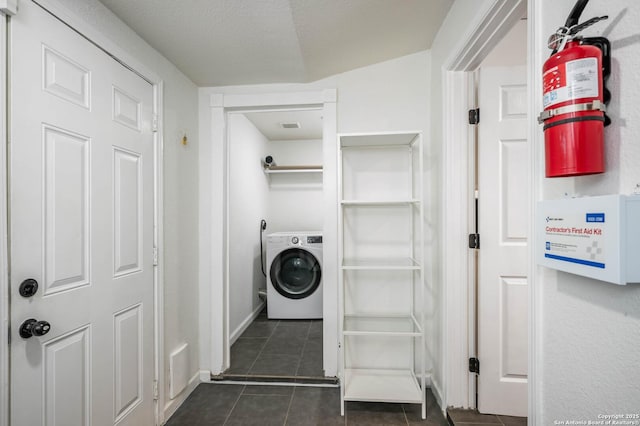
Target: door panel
<point>502,258</point>
<point>129,359</point>
<point>68,379</point>
<point>65,78</point>
<point>513,161</point>
<point>81,196</point>
<point>513,360</point>
<point>66,210</point>
<point>126,211</point>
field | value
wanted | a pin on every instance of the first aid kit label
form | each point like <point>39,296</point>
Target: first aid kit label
<point>577,238</point>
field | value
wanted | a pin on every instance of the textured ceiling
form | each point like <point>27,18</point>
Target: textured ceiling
<point>227,42</point>
<point>269,123</point>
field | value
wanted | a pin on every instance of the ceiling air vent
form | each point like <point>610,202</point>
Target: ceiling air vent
<point>290,125</point>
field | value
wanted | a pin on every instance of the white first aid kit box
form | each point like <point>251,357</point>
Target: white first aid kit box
<point>596,237</point>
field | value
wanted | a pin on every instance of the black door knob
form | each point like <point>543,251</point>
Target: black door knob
<point>28,288</point>
<point>33,327</point>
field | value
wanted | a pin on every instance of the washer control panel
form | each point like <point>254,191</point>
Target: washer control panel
<point>305,240</point>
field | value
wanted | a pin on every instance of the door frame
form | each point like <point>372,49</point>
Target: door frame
<point>4,242</point>
<point>130,62</point>
<point>457,211</point>
<point>214,237</point>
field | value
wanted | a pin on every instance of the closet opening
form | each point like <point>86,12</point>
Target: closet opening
<point>275,218</point>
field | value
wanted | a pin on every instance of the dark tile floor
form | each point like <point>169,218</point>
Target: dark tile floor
<point>278,348</point>
<point>246,405</point>
<point>473,418</point>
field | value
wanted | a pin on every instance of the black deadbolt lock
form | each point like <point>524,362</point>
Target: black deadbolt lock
<point>28,288</point>
<point>33,327</point>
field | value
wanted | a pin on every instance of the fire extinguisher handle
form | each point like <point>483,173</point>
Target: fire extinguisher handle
<point>574,15</point>
<point>586,24</point>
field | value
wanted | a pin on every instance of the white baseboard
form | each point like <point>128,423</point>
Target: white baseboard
<point>205,376</point>
<point>172,406</point>
<point>244,324</point>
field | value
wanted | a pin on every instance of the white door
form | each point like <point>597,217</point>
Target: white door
<point>502,259</point>
<point>81,171</point>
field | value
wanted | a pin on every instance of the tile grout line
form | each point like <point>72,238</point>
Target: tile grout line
<point>262,348</point>
<point>286,416</point>
<point>405,414</point>
<point>303,348</point>
<point>226,419</point>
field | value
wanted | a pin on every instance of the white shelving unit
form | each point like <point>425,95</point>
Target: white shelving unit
<point>381,290</point>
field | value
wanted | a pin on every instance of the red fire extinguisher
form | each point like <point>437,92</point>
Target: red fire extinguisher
<point>575,98</point>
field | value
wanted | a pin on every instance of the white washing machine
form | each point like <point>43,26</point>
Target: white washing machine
<point>294,275</point>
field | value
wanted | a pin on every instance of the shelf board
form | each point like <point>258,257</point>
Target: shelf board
<point>379,325</point>
<point>404,202</point>
<point>293,169</point>
<point>402,263</point>
<point>377,385</point>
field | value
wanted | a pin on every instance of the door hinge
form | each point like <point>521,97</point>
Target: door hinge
<point>474,116</point>
<point>474,241</point>
<point>155,390</point>
<point>154,123</point>
<point>155,256</point>
<point>474,365</point>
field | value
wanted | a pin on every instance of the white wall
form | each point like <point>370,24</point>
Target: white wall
<point>248,197</point>
<point>295,200</point>
<point>590,330</point>
<point>180,256</point>
<point>512,49</point>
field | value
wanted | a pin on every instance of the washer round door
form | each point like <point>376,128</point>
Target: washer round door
<point>295,273</point>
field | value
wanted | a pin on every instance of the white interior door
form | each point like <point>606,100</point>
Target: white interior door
<point>81,194</point>
<point>502,259</point>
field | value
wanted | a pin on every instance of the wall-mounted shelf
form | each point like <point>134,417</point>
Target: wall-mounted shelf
<point>293,169</point>
<point>389,203</point>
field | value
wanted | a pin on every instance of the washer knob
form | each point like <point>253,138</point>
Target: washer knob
<point>295,240</point>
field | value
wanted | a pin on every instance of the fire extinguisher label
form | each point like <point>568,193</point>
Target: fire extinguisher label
<point>573,80</point>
